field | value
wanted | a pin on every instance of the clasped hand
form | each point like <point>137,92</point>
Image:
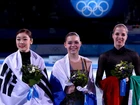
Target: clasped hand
<point>70,89</point>
<point>127,79</point>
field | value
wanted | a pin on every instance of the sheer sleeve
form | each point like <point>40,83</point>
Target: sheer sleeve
<point>100,69</point>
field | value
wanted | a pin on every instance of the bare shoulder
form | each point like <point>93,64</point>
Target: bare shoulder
<point>88,62</point>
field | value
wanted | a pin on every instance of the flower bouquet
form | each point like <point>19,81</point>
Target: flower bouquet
<point>79,78</point>
<point>123,70</point>
<point>31,75</point>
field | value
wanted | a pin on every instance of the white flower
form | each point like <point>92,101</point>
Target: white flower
<point>122,68</point>
<point>30,71</point>
<point>33,69</point>
<point>118,65</point>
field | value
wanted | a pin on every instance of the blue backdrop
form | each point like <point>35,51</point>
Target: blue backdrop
<point>101,8</point>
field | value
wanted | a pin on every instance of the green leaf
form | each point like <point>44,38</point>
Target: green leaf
<point>123,70</point>
<point>32,82</point>
<point>31,78</point>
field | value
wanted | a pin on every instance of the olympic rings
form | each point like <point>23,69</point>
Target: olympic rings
<point>92,7</point>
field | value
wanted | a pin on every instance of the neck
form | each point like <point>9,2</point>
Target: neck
<point>74,58</point>
<point>118,47</point>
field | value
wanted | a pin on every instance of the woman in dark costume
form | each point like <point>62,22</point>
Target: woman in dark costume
<point>109,59</point>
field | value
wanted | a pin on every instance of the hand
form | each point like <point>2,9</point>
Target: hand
<point>70,89</point>
<point>127,79</point>
<point>79,88</point>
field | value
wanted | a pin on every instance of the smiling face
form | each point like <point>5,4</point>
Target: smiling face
<point>72,44</point>
<point>23,42</point>
<point>119,36</point>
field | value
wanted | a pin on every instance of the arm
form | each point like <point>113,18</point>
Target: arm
<point>100,69</point>
<point>136,63</point>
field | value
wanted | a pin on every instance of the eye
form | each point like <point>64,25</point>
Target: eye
<point>24,39</point>
<point>123,34</point>
<point>18,39</point>
<point>76,42</point>
<point>117,33</point>
<point>70,42</point>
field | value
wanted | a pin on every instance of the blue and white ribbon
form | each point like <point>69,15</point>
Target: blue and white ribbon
<point>32,93</point>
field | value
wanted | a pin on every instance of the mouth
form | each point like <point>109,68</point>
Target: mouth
<point>73,49</point>
<point>119,41</point>
<point>21,46</point>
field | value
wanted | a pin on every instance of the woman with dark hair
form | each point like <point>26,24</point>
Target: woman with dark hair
<point>66,90</point>
<point>13,89</point>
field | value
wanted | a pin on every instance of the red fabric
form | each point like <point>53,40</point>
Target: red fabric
<point>110,87</point>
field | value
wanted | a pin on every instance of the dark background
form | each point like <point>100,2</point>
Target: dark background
<point>51,20</point>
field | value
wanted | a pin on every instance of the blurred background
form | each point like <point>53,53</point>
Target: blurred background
<point>51,20</point>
